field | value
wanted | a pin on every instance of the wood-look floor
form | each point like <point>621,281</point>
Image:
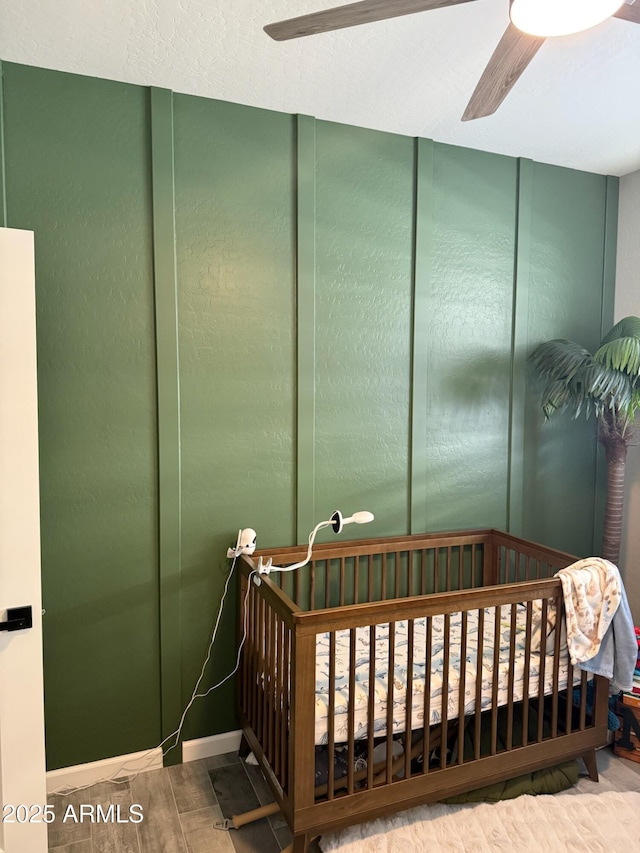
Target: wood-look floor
<point>180,805</point>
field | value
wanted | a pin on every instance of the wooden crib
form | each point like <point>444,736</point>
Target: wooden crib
<point>422,585</point>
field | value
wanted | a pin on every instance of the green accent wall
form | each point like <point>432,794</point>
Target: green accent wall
<point>248,318</point>
<point>565,300</point>
<point>78,173</point>
<point>468,328</point>
<point>235,226</point>
<point>364,238</point>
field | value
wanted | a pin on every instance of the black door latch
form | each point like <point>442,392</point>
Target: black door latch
<point>18,618</point>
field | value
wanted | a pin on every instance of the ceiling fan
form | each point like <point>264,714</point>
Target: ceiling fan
<point>527,31</point>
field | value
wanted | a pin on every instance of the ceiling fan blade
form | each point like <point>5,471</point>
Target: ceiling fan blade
<point>340,17</point>
<point>629,12</point>
<point>514,52</point>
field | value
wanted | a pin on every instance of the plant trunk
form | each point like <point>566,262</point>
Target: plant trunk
<point>612,536</point>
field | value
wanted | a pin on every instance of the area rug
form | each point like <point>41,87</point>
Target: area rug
<point>586,822</point>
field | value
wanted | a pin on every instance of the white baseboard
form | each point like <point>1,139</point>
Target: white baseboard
<point>80,775</point>
<point>205,747</point>
<point>128,765</point>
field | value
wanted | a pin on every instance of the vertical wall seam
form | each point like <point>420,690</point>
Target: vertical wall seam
<point>4,222</point>
<point>305,324</point>
<point>519,339</point>
<point>168,402</point>
<point>609,253</point>
<point>422,264</point>
<point>607,308</point>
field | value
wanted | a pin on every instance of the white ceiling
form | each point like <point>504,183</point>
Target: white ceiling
<point>576,105</point>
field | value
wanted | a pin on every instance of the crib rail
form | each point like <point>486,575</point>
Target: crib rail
<point>372,570</point>
<point>411,745</point>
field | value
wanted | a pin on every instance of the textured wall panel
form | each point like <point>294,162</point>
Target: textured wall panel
<point>565,293</point>
<point>235,250</point>
<point>78,175</point>
<point>364,237</point>
<point>469,338</point>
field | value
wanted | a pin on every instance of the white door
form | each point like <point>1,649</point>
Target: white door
<point>22,756</point>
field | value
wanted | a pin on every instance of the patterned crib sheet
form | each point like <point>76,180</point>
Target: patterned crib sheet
<point>401,643</point>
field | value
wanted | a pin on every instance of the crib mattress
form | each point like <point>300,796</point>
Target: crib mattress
<point>484,669</point>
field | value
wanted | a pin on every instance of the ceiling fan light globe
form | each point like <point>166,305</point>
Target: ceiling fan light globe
<point>560,17</point>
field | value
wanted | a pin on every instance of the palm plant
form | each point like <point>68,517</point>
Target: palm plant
<point>607,385</point>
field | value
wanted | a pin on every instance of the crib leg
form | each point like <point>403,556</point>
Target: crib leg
<point>591,764</point>
<point>300,844</point>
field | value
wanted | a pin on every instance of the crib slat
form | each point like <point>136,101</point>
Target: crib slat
<point>383,582</point>
<point>479,674</point>
<point>583,701</point>
<point>352,709</point>
<point>271,669</point>
<point>426,715</point>
<point>568,721</point>
<point>252,654</point>
<point>410,556</point>
<point>444,706</point>
<point>268,692</point>
<point>245,667</point>
<point>371,703</point>
<point>543,663</point>
<point>462,687</point>
<point>277,712</point>
<point>356,580</point>
<point>331,721</point>
<point>273,690</point>
<point>266,687</point>
<point>396,566</point>
<point>495,679</point>
<point>390,690</point>
<point>527,674</point>
<point>423,571</point>
<point>312,586</point>
<point>260,647</point>
<point>556,669</point>
<point>511,681</point>
<point>370,578</point>
<point>341,596</point>
<point>286,709</point>
<point>409,700</point>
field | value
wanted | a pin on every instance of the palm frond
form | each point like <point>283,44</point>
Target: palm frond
<point>609,389</point>
<point>560,360</point>
<point>628,327</point>
<point>621,354</point>
<point>559,395</point>
<point>607,383</point>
